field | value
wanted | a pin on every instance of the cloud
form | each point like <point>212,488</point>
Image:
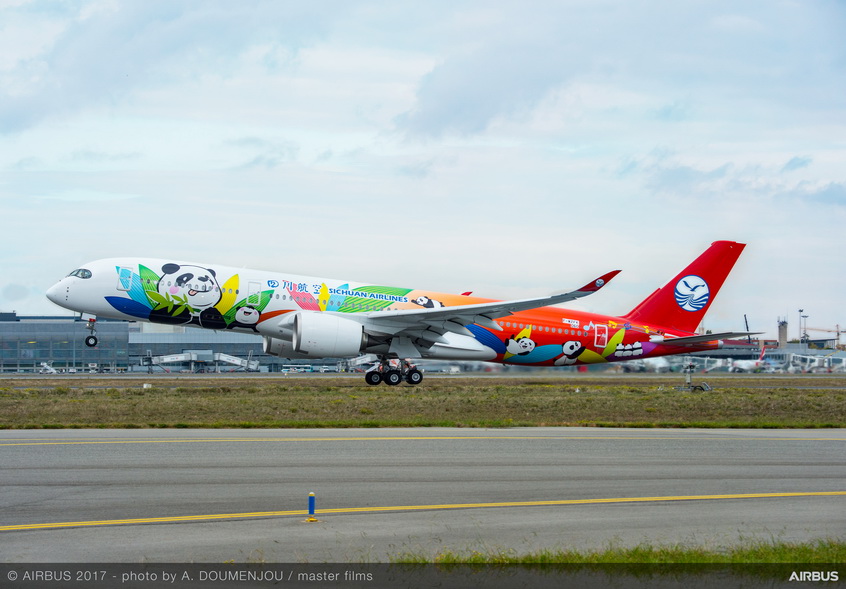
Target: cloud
<point>706,63</point>
<point>269,154</point>
<point>678,110</point>
<point>15,292</point>
<point>421,169</point>
<point>797,163</point>
<point>544,131</point>
<point>27,163</point>
<point>831,195</point>
<point>426,168</point>
<point>101,53</point>
<point>464,94</point>
<point>89,156</point>
<point>683,179</point>
<point>83,195</point>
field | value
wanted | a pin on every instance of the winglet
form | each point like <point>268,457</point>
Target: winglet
<point>590,288</point>
<point>599,282</point>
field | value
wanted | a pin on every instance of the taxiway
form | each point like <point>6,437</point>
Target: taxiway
<point>220,495</point>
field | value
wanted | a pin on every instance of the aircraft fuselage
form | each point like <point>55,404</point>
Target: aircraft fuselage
<point>308,317</point>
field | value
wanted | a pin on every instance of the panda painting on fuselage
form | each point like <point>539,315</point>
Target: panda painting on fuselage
<point>246,317</point>
<point>194,292</point>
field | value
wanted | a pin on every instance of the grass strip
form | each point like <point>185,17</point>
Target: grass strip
<point>462,402</point>
<point>824,551</point>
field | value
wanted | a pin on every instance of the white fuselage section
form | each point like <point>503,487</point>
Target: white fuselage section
<point>279,307</point>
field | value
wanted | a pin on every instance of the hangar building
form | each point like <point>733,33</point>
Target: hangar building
<point>27,343</point>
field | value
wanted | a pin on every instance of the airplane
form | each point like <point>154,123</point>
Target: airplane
<point>658,364</point>
<point>312,318</point>
<point>758,365</point>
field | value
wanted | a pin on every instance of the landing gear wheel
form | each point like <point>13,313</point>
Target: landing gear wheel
<point>373,377</point>
<point>392,377</point>
<point>414,376</point>
<point>91,341</point>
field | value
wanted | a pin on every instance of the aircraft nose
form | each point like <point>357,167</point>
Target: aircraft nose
<point>58,293</point>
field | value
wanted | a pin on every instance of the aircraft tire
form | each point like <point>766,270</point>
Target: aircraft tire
<point>373,378</point>
<point>414,377</point>
<point>392,377</point>
<point>91,341</point>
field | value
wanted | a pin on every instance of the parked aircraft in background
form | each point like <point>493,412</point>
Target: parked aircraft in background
<point>658,364</point>
<point>758,365</point>
<point>307,317</point>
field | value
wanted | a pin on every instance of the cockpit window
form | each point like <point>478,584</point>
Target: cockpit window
<point>81,273</point>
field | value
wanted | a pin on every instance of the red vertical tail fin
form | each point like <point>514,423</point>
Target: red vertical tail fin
<point>682,303</point>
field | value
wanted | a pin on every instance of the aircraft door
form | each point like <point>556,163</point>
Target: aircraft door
<point>253,293</point>
<point>600,338</point>
<point>124,279</point>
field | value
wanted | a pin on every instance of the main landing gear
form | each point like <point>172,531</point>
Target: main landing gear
<point>91,340</point>
<point>393,374</point>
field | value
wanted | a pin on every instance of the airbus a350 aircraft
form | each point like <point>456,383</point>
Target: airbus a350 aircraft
<point>307,317</point>
<point>750,365</point>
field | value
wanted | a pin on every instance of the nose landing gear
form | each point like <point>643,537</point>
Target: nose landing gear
<point>393,372</point>
<point>91,340</point>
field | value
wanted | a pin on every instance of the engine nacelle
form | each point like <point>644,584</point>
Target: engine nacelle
<point>321,335</point>
<point>282,348</point>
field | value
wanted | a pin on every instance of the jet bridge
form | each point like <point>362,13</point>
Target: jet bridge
<point>199,361</point>
<point>247,364</point>
<point>823,364</point>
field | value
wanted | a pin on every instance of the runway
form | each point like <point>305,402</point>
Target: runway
<point>221,495</point>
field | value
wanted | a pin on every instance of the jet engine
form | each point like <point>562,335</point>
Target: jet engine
<point>321,335</point>
<point>309,334</point>
<point>281,347</point>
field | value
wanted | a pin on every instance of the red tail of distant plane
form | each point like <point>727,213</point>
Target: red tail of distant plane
<point>682,302</point>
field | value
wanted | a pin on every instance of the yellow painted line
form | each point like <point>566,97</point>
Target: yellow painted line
<point>254,440</point>
<point>262,440</point>
<point>400,508</point>
<point>150,520</point>
<point>40,442</point>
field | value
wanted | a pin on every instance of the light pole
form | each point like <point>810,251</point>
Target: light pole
<point>805,329</point>
<point>800,324</point>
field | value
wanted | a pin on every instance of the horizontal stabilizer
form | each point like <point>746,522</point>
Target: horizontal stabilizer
<point>698,339</point>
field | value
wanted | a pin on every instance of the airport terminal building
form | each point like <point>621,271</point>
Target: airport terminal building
<point>27,343</point>
<point>47,343</point>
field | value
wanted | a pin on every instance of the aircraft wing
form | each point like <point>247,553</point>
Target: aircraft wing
<point>431,323</point>
<point>691,340</point>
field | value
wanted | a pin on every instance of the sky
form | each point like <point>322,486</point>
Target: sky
<point>511,149</point>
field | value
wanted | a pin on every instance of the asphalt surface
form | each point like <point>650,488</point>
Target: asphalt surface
<point>242,495</point>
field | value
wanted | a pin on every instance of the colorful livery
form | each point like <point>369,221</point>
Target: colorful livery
<point>307,317</point>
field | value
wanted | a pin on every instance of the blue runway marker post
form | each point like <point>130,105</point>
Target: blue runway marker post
<point>312,500</point>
